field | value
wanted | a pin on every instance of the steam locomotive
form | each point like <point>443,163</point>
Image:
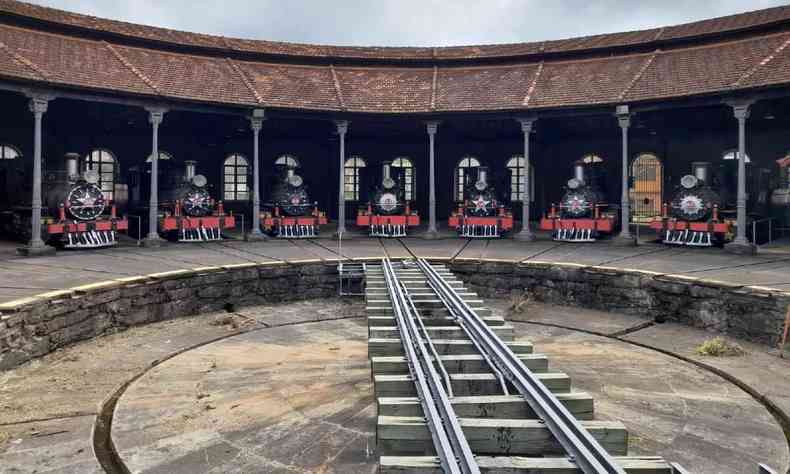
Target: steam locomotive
<point>290,214</point>
<point>75,212</point>
<point>692,218</point>
<point>480,215</point>
<point>582,215</point>
<point>388,213</point>
<point>189,212</point>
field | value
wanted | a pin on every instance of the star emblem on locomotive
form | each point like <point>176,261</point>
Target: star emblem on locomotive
<point>481,203</point>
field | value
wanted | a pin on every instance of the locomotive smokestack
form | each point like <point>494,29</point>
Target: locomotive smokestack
<point>385,170</point>
<point>72,166</point>
<point>189,170</point>
<point>701,170</point>
<point>578,172</point>
<point>482,173</point>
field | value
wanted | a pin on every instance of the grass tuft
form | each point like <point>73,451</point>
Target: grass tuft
<point>719,347</point>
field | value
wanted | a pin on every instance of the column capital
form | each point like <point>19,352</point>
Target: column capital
<point>256,124</point>
<point>39,104</point>
<point>432,127</point>
<point>342,126</point>
<point>156,115</point>
<point>623,114</point>
<point>256,119</point>
<point>741,110</point>
<point>624,120</point>
<point>526,123</point>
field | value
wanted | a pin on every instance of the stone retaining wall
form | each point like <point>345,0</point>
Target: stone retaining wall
<point>748,312</point>
<point>35,326</point>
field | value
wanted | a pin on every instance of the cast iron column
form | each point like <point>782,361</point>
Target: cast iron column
<point>342,128</point>
<point>624,119</point>
<point>526,233</point>
<point>38,105</point>
<point>256,123</point>
<point>741,112</point>
<point>155,117</point>
<point>432,230</point>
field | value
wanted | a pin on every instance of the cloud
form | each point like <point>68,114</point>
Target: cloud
<point>407,22</point>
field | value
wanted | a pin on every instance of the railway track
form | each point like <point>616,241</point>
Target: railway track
<point>457,394</point>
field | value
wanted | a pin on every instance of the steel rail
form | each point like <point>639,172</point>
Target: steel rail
<point>451,445</point>
<point>582,448</point>
<point>462,325</point>
<point>447,382</point>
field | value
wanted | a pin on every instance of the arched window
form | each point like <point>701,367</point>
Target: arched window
<point>518,179</point>
<point>646,187</point>
<point>731,154</point>
<point>592,158</point>
<point>103,163</point>
<point>407,169</point>
<point>163,155</point>
<point>351,177</point>
<point>289,160</point>
<point>235,171</point>
<point>8,152</point>
<point>461,173</point>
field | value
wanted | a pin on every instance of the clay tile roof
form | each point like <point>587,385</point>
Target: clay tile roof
<point>51,47</point>
<point>724,24</point>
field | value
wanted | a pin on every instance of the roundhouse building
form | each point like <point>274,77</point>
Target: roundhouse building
<point>646,103</point>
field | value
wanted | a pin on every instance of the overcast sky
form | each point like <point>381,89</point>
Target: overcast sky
<point>408,22</point>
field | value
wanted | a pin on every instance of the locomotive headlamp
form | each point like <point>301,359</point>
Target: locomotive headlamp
<point>91,176</point>
<point>199,180</point>
<point>689,181</point>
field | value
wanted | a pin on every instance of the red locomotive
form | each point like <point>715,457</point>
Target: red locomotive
<point>81,221</point>
<point>290,214</point>
<point>693,217</point>
<point>191,215</point>
<point>388,214</point>
<point>480,215</point>
<point>582,214</point>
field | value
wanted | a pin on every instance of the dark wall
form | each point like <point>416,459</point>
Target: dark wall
<point>677,137</point>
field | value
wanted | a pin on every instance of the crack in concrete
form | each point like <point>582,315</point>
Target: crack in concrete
<point>64,416</point>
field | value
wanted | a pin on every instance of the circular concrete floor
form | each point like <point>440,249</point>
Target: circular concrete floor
<point>298,398</point>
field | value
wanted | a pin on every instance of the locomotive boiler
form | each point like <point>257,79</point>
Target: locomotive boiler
<point>188,213</point>
<point>74,214</point>
<point>581,215</point>
<point>388,213</point>
<point>692,217</point>
<point>290,214</point>
<point>481,215</point>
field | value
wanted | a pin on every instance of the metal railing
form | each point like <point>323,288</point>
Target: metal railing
<point>139,228</point>
<point>760,224</point>
<point>586,452</point>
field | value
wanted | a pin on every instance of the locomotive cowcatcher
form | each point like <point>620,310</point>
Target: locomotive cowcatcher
<point>290,214</point>
<point>692,218</point>
<point>388,213</point>
<point>581,215</point>
<point>480,215</point>
<point>190,213</point>
<point>78,205</point>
